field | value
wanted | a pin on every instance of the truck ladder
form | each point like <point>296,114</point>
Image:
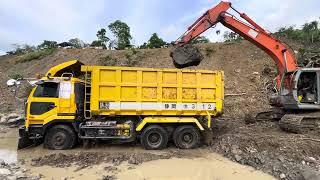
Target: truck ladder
<point>87,97</point>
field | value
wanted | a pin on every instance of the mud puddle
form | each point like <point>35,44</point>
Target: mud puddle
<point>122,162</point>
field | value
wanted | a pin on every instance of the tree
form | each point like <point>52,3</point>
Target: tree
<point>144,46</point>
<point>122,32</point>
<point>199,39</point>
<point>77,43</point>
<point>231,37</point>
<point>48,45</point>
<point>21,49</point>
<point>98,43</point>
<point>101,34</point>
<point>311,30</point>
<point>155,41</point>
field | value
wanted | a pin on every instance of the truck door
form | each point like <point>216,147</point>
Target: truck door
<point>43,103</point>
<point>65,92</point>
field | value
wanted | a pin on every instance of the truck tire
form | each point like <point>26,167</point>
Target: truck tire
<point>186,137</point>
<point>154,137</point>
<point>60,137</point>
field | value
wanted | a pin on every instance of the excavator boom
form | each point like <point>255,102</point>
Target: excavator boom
<point>251,31</point>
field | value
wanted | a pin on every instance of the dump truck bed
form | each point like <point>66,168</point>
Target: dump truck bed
<point>149,91</point>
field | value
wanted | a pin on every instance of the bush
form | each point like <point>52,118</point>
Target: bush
<point>209,51</point>
<point>132,57</point>
<point>35,55</point>
<point>15,76</point>
<point>107,61</point>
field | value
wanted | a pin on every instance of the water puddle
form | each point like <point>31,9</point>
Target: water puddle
<point>8,146</point>
<point>204,164</point>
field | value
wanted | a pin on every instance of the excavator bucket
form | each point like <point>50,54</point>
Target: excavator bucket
<point>185,56</point>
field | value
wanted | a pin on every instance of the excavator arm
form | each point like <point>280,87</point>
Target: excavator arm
<point>251,31</point>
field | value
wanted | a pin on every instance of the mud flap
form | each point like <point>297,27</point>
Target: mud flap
<point>24,140</point>
<point>207,136</point>
<point>185,56</point>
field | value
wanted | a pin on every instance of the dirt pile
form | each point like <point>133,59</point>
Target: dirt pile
<point>86,159</point>
<point>265,147</point>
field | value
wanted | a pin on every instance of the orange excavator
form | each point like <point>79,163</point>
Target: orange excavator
<point>297,103</point>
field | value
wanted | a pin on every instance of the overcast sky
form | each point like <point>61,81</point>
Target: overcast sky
<point>32,21</point>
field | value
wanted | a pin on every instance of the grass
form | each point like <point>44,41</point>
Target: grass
<point>37,54</point>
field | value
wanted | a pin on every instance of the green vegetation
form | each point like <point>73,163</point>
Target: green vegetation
<point>199,39</point>
<point>21,49</point>
<point>132,57</point>
<point>16,76</point>
<point>308,33</point>
<point>77,43</point>
<point>37,54</point>
<point>231,37</point>
<point>154,42</point>
<point>102,39</point>
<point>122,33</point>
<point>48,45</point>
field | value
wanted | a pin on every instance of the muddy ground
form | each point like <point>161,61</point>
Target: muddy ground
<point>248,73</point>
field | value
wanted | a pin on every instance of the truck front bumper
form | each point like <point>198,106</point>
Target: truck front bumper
<point>28,138</point>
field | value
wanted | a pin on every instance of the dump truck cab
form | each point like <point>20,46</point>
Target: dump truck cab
<point>56,98</point>
<point>53,99</point>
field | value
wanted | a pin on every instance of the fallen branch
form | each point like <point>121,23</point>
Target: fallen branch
<point>240,94</point>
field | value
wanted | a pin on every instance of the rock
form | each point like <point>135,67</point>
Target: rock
<point>12,178</point>
<point>310,174</point>
<point>255,73</point>
<point>282,176</point>
<point>14,120</point>
<point>40,176</point>
<point>238,158</point>
<point>281,158</point>
<point>11,118</point>
<point>303,162</point>
<point>237,70</point>
<point>312,159</point>
<point>4,171</point>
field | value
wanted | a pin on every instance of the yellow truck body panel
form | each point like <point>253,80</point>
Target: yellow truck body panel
<point>149,91</point>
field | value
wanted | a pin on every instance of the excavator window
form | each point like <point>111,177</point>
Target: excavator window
<point>307,87</point>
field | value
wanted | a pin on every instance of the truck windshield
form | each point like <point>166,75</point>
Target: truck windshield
<point>47,89</point>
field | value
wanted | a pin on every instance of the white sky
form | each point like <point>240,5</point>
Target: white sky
<point>32,21</point>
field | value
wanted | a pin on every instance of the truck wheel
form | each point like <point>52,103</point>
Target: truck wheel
<point>186,137</point>
<point>60,137</point>
<point>154,137</point>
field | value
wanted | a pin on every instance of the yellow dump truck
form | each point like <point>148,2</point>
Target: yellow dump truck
<point>76,103</point>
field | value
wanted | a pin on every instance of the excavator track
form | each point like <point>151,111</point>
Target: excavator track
<point>299,123</point>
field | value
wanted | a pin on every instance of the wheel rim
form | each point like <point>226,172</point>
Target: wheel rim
<point>187,138</point>
<point>59,139</point>
<point>154,139</point>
